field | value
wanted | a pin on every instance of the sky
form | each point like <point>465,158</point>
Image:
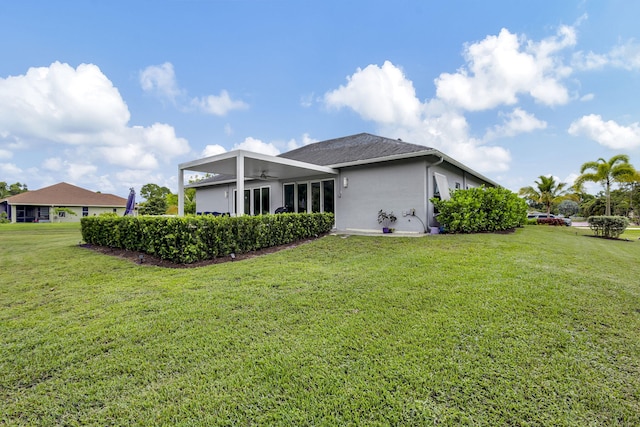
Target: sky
<point>109,95</point>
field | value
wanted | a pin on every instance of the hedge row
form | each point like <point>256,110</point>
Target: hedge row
<point>608,226</point>
<point>551,221</point>
<point>195,238</point>
<point>480,210</point>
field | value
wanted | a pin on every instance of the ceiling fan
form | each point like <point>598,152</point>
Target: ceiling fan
<point>264,176</point>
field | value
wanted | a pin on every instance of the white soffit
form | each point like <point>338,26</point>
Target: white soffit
<point>255,165</point>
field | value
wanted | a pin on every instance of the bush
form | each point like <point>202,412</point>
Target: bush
<point>480,210</point>
<point>608,226</point>
<point>194,238</point>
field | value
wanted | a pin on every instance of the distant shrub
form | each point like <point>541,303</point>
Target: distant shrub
<point>608,226</point>
<point>551,221</point>
<point>480,210</point>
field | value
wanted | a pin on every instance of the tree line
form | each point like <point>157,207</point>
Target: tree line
<point>560,198</point>
<point>8,190</point>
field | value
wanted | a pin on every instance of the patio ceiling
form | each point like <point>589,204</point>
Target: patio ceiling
<point>256,165</point>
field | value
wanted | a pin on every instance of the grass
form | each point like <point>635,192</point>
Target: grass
<point>539,327</point>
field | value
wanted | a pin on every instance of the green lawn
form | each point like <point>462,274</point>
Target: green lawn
<point>538,327</point>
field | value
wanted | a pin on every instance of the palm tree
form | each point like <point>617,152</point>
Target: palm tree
<point>546,191</point>
<point>617,169</point>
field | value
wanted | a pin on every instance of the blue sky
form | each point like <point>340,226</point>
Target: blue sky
<point>112,94</point>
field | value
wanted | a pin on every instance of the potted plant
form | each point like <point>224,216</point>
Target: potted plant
<point>386,219</point>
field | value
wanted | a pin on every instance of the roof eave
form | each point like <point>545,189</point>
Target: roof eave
<point>416,154</point>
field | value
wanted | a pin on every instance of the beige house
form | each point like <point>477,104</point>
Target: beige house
<point>46,204</point>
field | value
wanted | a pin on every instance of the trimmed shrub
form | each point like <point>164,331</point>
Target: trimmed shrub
<point>551,221</point>
<point>195,238</point>
<point>481,210</point>
<point>608,226</point>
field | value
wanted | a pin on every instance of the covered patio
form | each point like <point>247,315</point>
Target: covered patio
<point>248,165</point>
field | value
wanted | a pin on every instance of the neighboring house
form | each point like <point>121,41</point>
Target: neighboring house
<point>354,177</point>
<point>40,205</point>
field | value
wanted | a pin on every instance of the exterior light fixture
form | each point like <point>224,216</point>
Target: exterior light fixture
<point>141,258</point>
<point>345,182</point>
<point>233,256</point>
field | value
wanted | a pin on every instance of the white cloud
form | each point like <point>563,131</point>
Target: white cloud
<point>306,101</point>
<point>218,105</point>
<point>80,108</point>
<point>9,170</point>
<point>625,56</point>
<point>587,97</point>
<point>77,171</point>
<point>257,146</point>
<point>385,96</point>
<point>382,94</point>
<point>161,81</point>
<point>212,150</point>
<point>60,103</point>
<point>499,68</point>
<point>54,164</point>
<point>516,122</point>
<point>607,133</point>
<point>306,140</point>
<point>5,154</point>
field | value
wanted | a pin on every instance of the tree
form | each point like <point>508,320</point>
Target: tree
<point>153,206</point>
<point>7,190</point>
<point>546,192</point>
<point>568,208</point>
<point>150,191</point>
<point>617,169</point>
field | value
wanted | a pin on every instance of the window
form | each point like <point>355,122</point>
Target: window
<point>43,213</point>
<point>441,188</point>
<point>257,201</point>
<point>62,214</point>
<point>85,211</point>
<point>261,201</point>
<point>290,197</point>
<point>302,197</point>
<point>328,196</point>
<point>319,194</point>
<point>315,197</point>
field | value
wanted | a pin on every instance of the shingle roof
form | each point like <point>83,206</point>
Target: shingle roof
<point>64,194</point>
<point>362,146</point>
<point>353,148</point>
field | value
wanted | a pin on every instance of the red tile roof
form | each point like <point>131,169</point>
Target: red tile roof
<point>64,194</point>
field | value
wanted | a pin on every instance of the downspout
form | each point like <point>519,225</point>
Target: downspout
<point>428,186</point>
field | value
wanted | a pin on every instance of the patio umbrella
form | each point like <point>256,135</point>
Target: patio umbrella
<point>131,202</point>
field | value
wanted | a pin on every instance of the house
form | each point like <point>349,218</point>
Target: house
<point>354,177</point>
<point>43,205</point>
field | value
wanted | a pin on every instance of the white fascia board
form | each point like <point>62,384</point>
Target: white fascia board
<point>204,164</point>
<point>416,155</point>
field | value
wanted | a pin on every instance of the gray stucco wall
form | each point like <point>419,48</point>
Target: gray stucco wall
<point>402,186</point>
<point>397,187</point>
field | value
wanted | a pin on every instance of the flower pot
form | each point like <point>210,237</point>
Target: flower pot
<point>386,230</point>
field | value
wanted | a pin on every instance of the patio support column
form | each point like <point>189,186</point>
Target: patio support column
<point>180,192</point>
<point>240,184</point>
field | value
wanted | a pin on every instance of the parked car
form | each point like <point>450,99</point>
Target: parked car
<point>540,215</point>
